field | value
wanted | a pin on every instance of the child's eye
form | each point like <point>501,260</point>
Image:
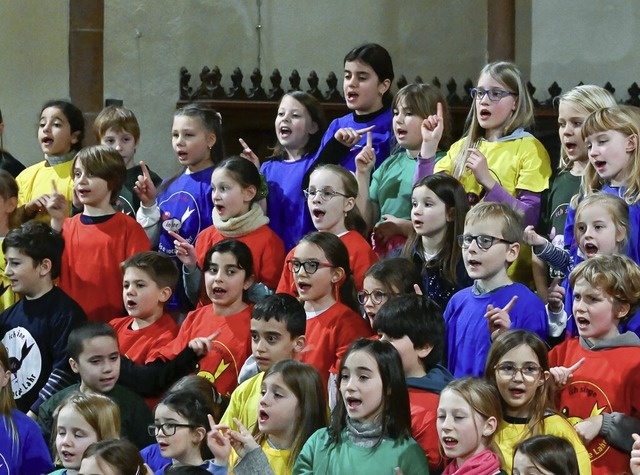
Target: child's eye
<point>61,431</point>
<point>458,418</point>
<point>441,417</point>
<point>280,114</point>
<point>344,377</point>
<point>561,124</point>
<point>263,391</point>
<point>296,116</point>
<point>278,395</point>
<point>272,339</point>
<point>363,377</point>
<point>396,112</point>
<point>255,338</point>
<point>577,124</point>
<point>231,271</point>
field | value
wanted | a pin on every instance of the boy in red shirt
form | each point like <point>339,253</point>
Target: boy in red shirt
<point>598,371</point>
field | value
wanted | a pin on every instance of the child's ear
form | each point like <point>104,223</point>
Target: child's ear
<point>512,252</point>
<point>5,378</point>
<point>314,128</point>
<point>75,137</point>
<point>424,351</point>
<point>45,267</point>
<point>199,434</point>
<point>632,143</point>
<point>384,86</point>
<point>12,204</point>
<point>211,140</point>
<point>299,343</point>
<point>73,364</point>
<point>349,203</point>
<point>249,193</point>
<point>165,294</point>
<point>248,282</point>
<point>338,275</point>
<point>545,377</point>
<point>490,426</point>
<point>622,310</point>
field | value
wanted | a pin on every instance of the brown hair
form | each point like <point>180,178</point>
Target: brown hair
<point>120,455</point>
<point>106,163</point>
<point>117,118</point>
<point>159,267</point>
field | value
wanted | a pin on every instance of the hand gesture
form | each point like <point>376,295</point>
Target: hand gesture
<point>36,205</point>
<point>561,374</point>
<point>477,163</point>
<point>201,345</point>
<point>532,238</point>
<point>349,136</point>
<point>218,442</point>
<point>498,318</point>
<point>57,207</point>
<point>555,295</point>
<point>387,228</point>
<point>432,129</point>
<point>635,455</point>
<point>366,159</point>
<point>588,429</point>
<point>241,440</point>
<point>248,154</point>
<point>144,187</point>
<point>184,251</point>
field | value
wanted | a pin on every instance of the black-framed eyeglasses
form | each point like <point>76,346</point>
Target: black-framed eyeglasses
<point>483,241</point>
<point>310,267</point>
<point>494,94</point>
<point>377,297</point>
<point>508,371</point>
<point>324,194</point>
<point>168,428</point>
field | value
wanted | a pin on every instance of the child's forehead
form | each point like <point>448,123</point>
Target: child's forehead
<point>99,345</point>
<point>16,253</point>
<point>269,326</point>
<point>137,273</point>
<point>485,225</point>
<point>224,259</point>
<point>308,250</point>
<point>53,112</point>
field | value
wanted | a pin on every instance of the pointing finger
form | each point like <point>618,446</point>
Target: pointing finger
<point>577,365</point>
<point>244,145</point>
<point>439,111</point>
<point>365,130</point>
<point>145,171</point>
<point>369,140</point>
<point>511,303</point>
<point>177,237</point>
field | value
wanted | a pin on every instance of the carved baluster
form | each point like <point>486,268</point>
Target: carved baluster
<point>634,92</point>
<point>185,89</point>
<point>256,93</point>
<point>294,81</point>
<point>276,92</point>
<point>436,82</point>
<point>609,87</point>
<point>237,92</point>
<point>313,82</point>
<point>418,80</point>
<point>214,89</point>
<point>201,91</point>
<point>333,95</point>
<point>554,91</point>
<point>401,81</point>
<point>532,90</point>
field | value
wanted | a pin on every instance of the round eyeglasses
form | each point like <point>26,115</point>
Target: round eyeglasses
<point>483,241</point>
<point>310,267</point>
<point>494,94</point>
<point>377,297</point>
<point>508,371</point>
<point>325,195</point>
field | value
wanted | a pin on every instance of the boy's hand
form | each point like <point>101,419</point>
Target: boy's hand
<point>36,205</point>
<point>218,442</point>
<point>241,440</point>
<point>144,187</point>
<point>477,163</point>
<point>349,136</point>
<point>635,455</point>
<point>498,318</point>
<point>588,429</point>
<point>57,207</point>
<point>432,129</point>
<point>555,295</point>
<point>532,238</point>
<point>202,345</point>
<point>561,374</point>
<point>185,251</point>
<point>366,159</point>
<point>248,154</point>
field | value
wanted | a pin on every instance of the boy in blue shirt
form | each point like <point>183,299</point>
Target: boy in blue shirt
<point>476,315</point>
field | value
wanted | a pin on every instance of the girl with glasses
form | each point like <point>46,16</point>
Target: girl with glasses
<point>496,160</point>
<point>331,198</point>
<point>322,275</point>
<point>518,366</point>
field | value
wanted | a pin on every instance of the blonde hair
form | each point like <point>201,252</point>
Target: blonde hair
<point>617,209</point>
<point>509,75</point>
<point>589,98</point>
<point>626,120</point>
<point>616,275</point>
<point>511,221</point>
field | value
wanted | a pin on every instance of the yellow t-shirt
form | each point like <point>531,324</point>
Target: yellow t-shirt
<point>8,297</point>
<point>278,459</point>
<point>244,403</point>
<point>511,433</point>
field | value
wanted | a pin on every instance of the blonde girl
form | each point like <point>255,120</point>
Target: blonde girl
<point>468,415</point>
<point>331,199</point>
<point>22,447</point>
<point>384,197</point>
<point>611,135</point>
<point>291,409</point>
<point>518,366</point>
<point>496,160</point>
<point>235,185</point>
<point>80,420</point>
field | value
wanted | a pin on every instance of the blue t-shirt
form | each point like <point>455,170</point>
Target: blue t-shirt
<point>32,456</point>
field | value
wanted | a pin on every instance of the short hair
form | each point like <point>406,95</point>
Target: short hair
<point>117,118</point>
<point>511,221</point>
<point>161,268</point>
<point>616,275</point>
<point>283,308</point>
<point>87,331</point>
<point>617,208</point>
<point>417,317</point>
<point>121,455</point>
<point>550,453</point>
<point>39,242</point>
<point>106,163</point>
<point>73,115</point>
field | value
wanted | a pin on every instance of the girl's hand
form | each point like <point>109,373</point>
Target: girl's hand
<point>532,238</point>
<point>561,374</point>
<point>390,226</point>
<point>588,429</point>
<point>477,163</point>
<point>218,442</point>
<point>432,128</point>
<point>555,296</point>
<point>202,345</point>
<point>57,207</point>
<point>366,159</point>
<point>184,251</point>
<point>248,154</point>
<point>349,136</point>
<point>37,205</point>
<point>635,455</point>
<point>241,440</point>
<point>144,187</point>
<point>498,318</point>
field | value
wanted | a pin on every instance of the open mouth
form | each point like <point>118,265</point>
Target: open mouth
<point>599,164</point>
<point>516,392</point>
<point>285,132</point>
<point>473,264</point>
<point>220,209</point>
<point>352,96</point>
<point>181,155</point>
<point>218,292</point>
<point>401,133</point>
<point>448,442</point>
<point>318,213</point>
<point>303,287</point>
<point>485,114</point>
<point>47,141</point>
<point>570,147</point>
<point>131,304</point>
<point>263,417</point>
<point>590,249</point>
<point>582,322</point>
<point>353,403</point>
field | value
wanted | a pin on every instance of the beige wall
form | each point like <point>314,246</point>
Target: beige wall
<point>34,67</point>
<point>146,43</point>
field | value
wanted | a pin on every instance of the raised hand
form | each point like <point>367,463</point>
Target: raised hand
<point>349,136</point>
<point>532,238</point>
<point>498,318</point>
<point>185,251</point>
<point>248,154</point>
<point>144,187</point>
<point>562,375</point>
<point>555,295</point>
<point>57,207</point>
<point>201,345</point>
<point>366,159</point>
<point>432,129</point>
<point>218,442</point>
<point>241,440</point>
